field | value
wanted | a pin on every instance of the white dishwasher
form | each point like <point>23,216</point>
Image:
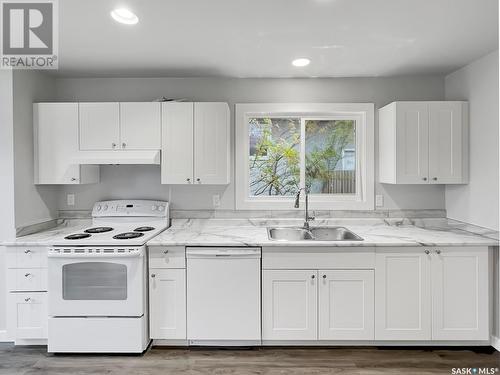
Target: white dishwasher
<point>223,296</point>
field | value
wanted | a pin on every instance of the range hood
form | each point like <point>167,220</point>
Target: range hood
<point>118,157</point>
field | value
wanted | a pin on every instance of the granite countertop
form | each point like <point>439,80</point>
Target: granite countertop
<point>375,232</point>
<point>252,232</point>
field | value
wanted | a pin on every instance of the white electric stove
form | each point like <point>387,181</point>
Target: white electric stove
<point>97,279</point>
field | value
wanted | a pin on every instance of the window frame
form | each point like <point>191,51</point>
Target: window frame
<point>363,113</point>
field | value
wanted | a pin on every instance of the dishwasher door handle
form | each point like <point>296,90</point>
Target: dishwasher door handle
<point>212,253</point>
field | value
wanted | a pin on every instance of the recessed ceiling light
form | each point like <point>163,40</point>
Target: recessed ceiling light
<point>125,16</point>
<point>301,62</point>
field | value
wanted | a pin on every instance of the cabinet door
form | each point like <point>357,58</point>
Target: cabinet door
<point>211,143</point>
<point>346,305</point>
<point>177,143</point>
<point>167,303</point>
<point>289,305</point>
<point>55,145</point>
<point>29,315</point>
<point>460,294</point>
<point>99,126</point>
<point>412,127</point>
<point>445,142</point>
<point>403,290</point>
<point>140,126</point>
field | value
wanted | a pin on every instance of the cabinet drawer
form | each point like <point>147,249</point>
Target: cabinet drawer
<point>27,279</point>
<point>26,257</point>
<point>318,258</point>
<point>167,257</point>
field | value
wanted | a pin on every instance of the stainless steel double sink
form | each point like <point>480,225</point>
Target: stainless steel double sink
<point>312,234</point>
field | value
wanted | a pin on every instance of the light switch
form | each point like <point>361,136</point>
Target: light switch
<point>379,200</point>
<point>70,199</point>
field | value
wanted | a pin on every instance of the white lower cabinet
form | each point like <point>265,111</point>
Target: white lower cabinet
<point>346,305</point>
<point>289,304</point>
<point>29,315</point>
<point>460,294</point>
<point>318,305</point>
<point>403,295</point>
<point>432,294</point>
<point>167,296</point>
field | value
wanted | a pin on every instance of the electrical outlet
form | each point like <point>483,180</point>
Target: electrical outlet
<point>216,200</point>
<point>379,200</point>
<point>70,199</point>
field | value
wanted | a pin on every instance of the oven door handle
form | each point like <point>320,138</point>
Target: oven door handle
<point>112,255</point>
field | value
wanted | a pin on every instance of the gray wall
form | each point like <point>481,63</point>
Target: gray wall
<point>33,204</point>
<point>7,222</point>
<point>129,181</point>
<point>477,202</point>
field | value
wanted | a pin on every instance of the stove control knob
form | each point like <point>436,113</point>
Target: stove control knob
<point>161,208</point>
<point>105,207</point>
<point>99,208</point>
<point>154,208</point>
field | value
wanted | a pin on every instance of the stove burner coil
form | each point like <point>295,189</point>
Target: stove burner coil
<point>128,235</point>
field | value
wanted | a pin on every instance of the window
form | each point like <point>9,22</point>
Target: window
<point>327,148</point>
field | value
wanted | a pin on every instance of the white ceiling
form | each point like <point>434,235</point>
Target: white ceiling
<point>260,38</point>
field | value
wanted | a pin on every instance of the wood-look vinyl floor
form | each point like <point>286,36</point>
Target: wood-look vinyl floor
<point>266,361</point>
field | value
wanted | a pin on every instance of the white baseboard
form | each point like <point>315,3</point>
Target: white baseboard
<point>4,337</point>
<point>495,342</point>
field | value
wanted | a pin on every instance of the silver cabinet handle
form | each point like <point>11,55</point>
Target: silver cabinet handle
<point>165,252</point>
<point>27,274</point>
<point>153,275</point>
<point>435,178</point>
<point>324,276</point>
<point>73,179</point>
<point>425,178</point>
<point>427,252</point>
<point>313,276</point>
<point>27,299</point>
<point>124,145</point>
<point>198,180</point>
<point>438,252</point>
<point>188,180</point>
<point>27,251</point>
<point>113,145</point>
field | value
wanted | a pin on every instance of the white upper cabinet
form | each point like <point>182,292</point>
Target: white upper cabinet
<point>423,143</point>
<point>140,127</point>
<point>120,126</point>
<point>177,143</point>
<point>99,126</point>
<point>211,143</point>
<point>56,144</point>
<point>195,143</point>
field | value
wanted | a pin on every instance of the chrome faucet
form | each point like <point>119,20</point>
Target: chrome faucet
<point>307,218</point>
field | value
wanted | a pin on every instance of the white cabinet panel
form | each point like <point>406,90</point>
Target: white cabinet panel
<point>211,143</point>
<point>140,125</point>
<point>346,305</point>
<point>177,143</point>
<point>99,126</point>
<point>446,128</point>
<point>460,294</point>
<point>28,314</point>
<point>167,301</point>
<point>403,295</point>
<point>289,302</point>
<point>27,279</point>
<point>412,132</point>
<point>56,144</point>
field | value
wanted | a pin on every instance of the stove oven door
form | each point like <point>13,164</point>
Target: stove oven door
<point>91,284</point>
